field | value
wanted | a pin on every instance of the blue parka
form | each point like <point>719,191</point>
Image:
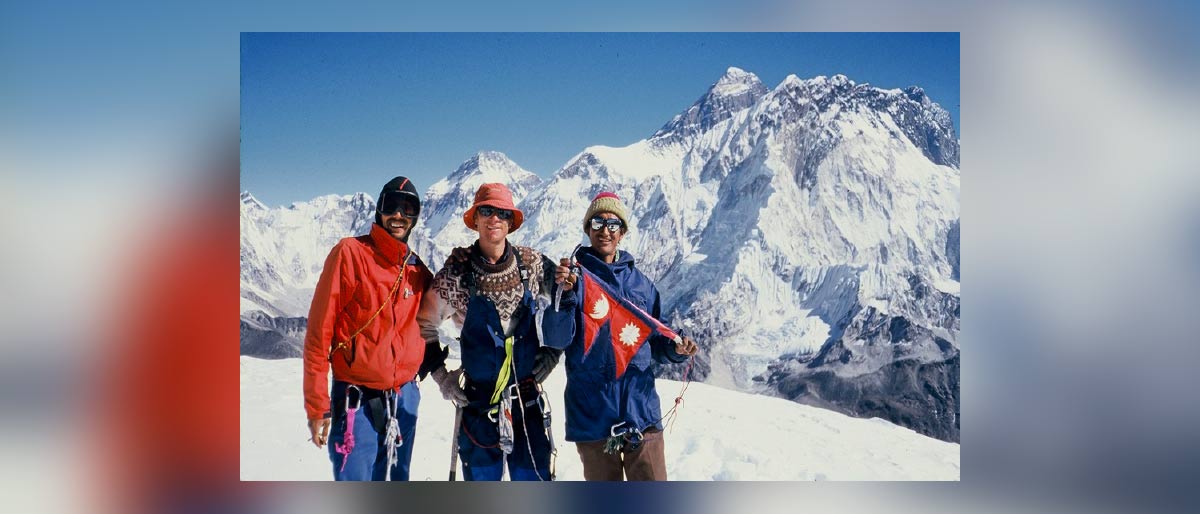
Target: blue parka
<point>595,400</point>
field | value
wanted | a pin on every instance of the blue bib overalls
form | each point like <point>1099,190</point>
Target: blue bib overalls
<point>483,359</point>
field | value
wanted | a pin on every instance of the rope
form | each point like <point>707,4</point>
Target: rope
<point>672,414</point>
<point>392,439</point>
<point>525,429</point>
<point>464,430</point>
<point>505,370</point>
<point>395,287</point>
<point>344,448</point>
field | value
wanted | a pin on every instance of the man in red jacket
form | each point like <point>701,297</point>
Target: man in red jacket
<point>363,321</point>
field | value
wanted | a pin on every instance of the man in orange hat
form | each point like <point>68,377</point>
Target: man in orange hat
<point>491,296</point>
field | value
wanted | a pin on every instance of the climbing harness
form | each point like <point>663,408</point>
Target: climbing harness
<point>621,435</point>
<point>392,437</point>
<point>501,414</point>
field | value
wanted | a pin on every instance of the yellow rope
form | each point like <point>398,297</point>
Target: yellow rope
<point>505,372</point>
<point>386,301</point>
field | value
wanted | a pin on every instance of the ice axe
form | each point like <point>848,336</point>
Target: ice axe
<point>574,271</point>
<point>454,442</point>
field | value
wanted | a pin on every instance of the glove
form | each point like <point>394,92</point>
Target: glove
<point>447,381</point>
<point>435,357</point>
<point>544,362</point>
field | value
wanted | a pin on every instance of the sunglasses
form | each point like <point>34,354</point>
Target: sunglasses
<point>613,224</point>
<point>395,201</point>
<point>487,211</point>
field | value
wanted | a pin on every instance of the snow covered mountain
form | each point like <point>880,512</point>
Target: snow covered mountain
<point>790,230</point>
<point>440,228</point>
<point>282,250</point>
<point>806,236</point>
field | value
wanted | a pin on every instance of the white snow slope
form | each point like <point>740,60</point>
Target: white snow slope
<point>718,435</point>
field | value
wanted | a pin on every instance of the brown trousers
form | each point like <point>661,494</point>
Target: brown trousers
<point>648,462</point>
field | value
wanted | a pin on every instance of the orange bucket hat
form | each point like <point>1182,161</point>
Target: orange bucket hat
<point>496,195</point>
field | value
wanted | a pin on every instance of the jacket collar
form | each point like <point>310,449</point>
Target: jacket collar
<point>606,271</point>
<point>391,249</point>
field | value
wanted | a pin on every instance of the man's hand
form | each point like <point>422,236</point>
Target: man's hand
<point>563,276</point>
<point>686,346</point>
<point>447,381</point>
<point>544,362</point>
<point>319,428</point>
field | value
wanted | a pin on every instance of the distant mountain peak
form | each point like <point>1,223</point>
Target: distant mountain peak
<point>450,196</point>
<point>737,81</point>
<point>735,91</point>
<point>250,201</point>
<point>492,166</point>
<point>489,156</point>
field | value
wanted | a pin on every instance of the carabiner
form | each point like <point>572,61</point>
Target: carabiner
<point>347,399</point>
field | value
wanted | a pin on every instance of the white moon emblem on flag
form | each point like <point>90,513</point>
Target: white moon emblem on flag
<point>600,308</point>
<point>630,334</point>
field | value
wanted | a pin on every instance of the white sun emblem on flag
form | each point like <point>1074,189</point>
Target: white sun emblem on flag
<point>630,334</point>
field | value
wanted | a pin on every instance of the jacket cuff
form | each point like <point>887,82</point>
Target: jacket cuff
<point>568,298</point>
<point>671,354</point>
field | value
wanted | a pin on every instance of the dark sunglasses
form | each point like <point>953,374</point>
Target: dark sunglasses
<point>396,201</point>
<point>487,211</point>
<point>613,224</point>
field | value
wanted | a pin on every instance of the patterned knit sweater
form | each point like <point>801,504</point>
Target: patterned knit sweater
<point>500,282</point>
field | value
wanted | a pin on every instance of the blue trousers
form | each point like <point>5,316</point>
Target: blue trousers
<point>482,462</point>
<point>368,459</point>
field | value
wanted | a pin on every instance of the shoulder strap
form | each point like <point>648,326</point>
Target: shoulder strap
<point>522,267</point>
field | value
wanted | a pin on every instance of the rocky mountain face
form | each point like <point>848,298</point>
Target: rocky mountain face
<point>806,235</point>
<point>268,337</point>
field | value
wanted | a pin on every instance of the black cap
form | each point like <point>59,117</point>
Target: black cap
<point>402,185</point>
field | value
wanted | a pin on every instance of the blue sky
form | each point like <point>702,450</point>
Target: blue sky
<point>343,112</point>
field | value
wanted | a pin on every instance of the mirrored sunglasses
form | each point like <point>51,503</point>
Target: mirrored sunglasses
<point>613,224</point>
<point>487,211</point>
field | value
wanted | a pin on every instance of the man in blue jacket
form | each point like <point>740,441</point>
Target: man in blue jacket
<point>613,415</point>
<point>490,293</point>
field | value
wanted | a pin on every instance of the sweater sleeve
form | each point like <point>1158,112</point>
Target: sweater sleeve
<point>432,314</point>
<point>334,288</point>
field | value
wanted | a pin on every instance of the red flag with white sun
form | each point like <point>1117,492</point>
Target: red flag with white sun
<point>629,326</point>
